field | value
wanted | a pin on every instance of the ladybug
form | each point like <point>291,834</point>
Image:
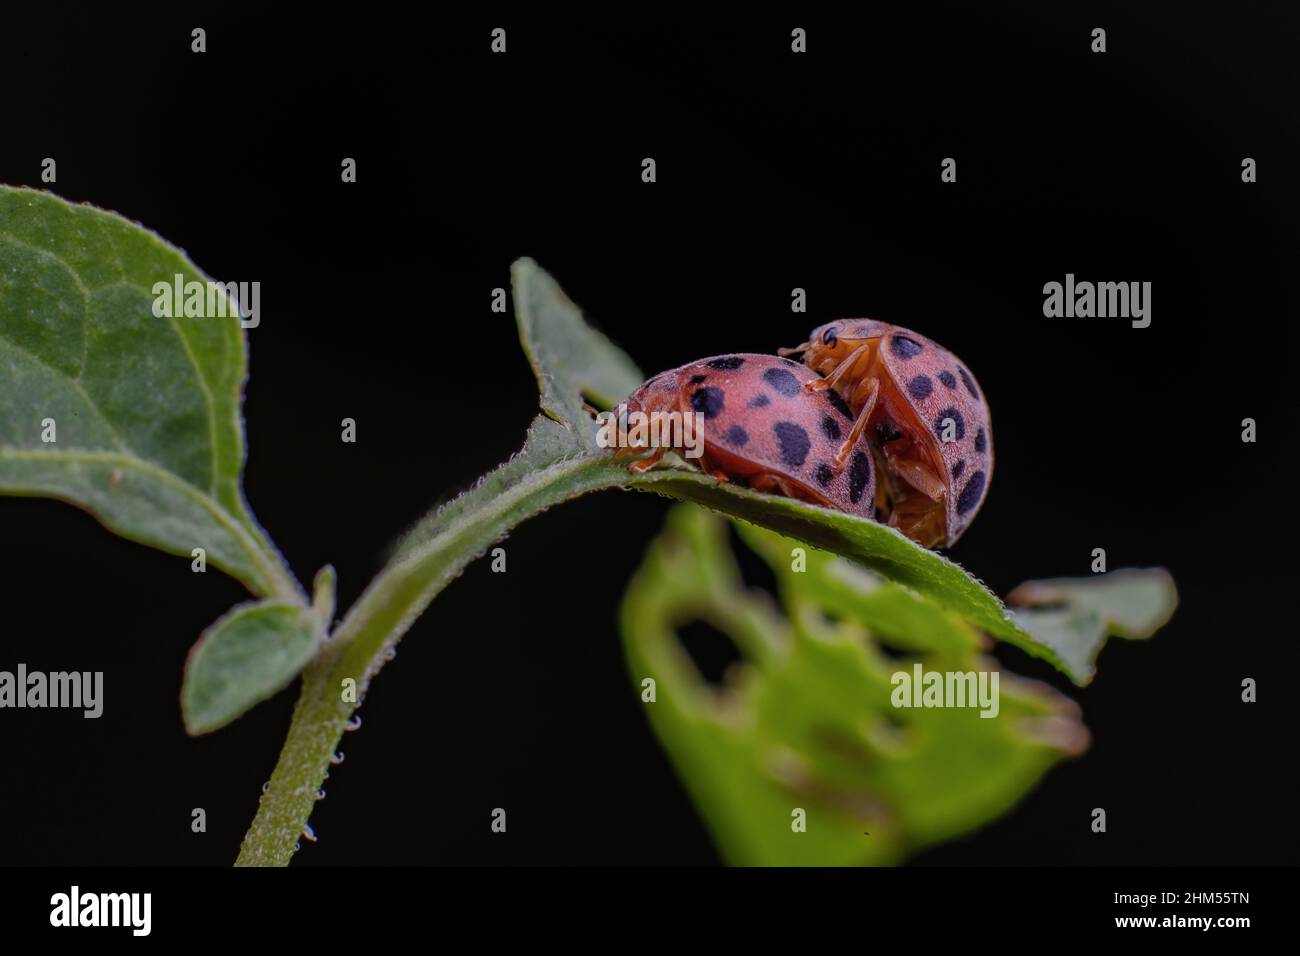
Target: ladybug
<point>763,427</point>
<point>923,415</point>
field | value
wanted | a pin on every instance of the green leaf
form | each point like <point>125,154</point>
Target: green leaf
<point>145,410</point>
<point>806,721</point>
<point>254,651</point>
<point>871,544</point>
<point>570,358</point>
<point>837,586</point>
<point>1075,615</point>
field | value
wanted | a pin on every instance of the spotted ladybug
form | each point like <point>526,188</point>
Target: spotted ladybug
<point>923,415</point>
<point>763,427</point>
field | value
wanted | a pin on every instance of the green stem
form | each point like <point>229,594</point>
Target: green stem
<point>361,644</point>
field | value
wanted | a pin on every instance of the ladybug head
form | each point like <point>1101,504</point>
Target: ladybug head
<point>833,342</point>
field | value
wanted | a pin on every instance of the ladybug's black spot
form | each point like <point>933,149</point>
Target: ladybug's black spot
<point>824,474</point>
<point>759,401</point>
<point>904,347</point>
<point>968,382</point>
<point>782,381</point>
<point>829,337</point>
<point>970,495</point>
<point>708,400</point>
<point>958,468</point>
<point>737,436</point>
<point>886,432</point>
<point>793,441</point>
<point>840,404</point>
<point>920,387</point>
<point>981,441</point>
<point>949,380</point>
<point>958,424</point>
<point>830,428</point>
<point>859,476</point>
<point>696,379</point>
<point>729,362</point>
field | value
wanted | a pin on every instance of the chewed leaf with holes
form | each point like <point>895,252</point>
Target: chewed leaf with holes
<point>134,417</point>
<point>1074,616</point>
<point>801,756</point>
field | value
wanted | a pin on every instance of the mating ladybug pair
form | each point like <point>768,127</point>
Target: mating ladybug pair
<point>879,421</point>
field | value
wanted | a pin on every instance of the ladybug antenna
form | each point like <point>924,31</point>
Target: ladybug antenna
<point>794,351</point>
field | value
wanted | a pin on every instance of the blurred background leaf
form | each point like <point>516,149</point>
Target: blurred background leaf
<point>805,720</point>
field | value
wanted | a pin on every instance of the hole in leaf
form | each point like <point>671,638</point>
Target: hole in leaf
<point>712,650</point>
<point>890,730</point>
<point>890,652</point>
<point>831,617</point>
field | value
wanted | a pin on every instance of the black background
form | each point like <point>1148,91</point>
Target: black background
<point>774,171</point>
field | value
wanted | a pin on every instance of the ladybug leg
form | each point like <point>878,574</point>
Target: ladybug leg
<point>818,384</point>
<point>707,465</point>
<point>859,425</point>
<point>771,484</point>
<point>920,476</point>
<point>642,465</point>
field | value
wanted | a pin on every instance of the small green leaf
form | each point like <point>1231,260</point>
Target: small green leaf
<point>806,722</point>
<point>570,358</point>
<point>322,603</point>
<point>144,412</point>
<point>1075,615</point>
<point>250,654</point>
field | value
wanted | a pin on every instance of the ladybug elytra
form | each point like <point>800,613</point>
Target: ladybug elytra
<point>923,415</point>
<point>763,427</point>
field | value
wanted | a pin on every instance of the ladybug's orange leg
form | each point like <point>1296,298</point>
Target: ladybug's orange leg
<point>859,425</point>
<point>818,384</point>
<point>920,476</point>
<point>771,484</point>
<point>642,465</point>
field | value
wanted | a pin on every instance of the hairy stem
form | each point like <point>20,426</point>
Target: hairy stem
<point>395,598</point>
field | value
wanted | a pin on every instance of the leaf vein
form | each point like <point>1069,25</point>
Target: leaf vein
<point>208,398</point>
<point>76,383</point>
